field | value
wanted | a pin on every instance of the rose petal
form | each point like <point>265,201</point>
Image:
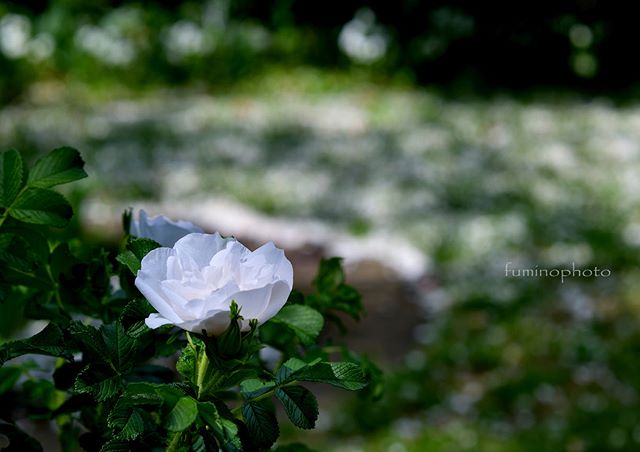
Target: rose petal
<point>276,257</point>
<point>252,302</point>
<point>150,288</point>
<point>161,229</point>
<point>200,247</point>
<point>214,323</point>
<point>154,264</point>
<point>156,320</point>
<point>279,294</point>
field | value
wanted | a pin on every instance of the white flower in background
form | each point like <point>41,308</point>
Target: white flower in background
<point>362,39</point>
<point>15,33</point>
<point>184,39</point>
<point>161,229</point>
<point>193,284</point>
<point>105,45</point>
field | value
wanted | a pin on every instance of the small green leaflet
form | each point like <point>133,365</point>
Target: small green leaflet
<point>253,387</point>
<point>261,422</point>
<point>300,404</point>
<point>304,321</point>
<point>129,260</point>
<point>183,414</point>
<point>40,206</point>
<point>11,176</point>
<point>59,166</point>
<point>344,375</point>
<point>49,341</point>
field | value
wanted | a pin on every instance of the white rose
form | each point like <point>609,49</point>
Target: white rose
<point>193,284</point>
<point>161,229</point>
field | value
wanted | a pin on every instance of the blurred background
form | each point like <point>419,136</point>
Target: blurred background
<point>429,143</point>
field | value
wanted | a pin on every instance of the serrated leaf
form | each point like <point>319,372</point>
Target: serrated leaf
<point>186,364</point>
<point>59,166</point>
<point>300,405</point>
<point>140,247</point>
<point>90,341</point>
<point>41,206</point>
<point>120,345</point>
<point>129,260</point>
<point>253,387</point>
<point>230,436</point>
<point>261,422</point>
<point>133,316</point>
<point>49,342</point>
<point>100,382</point>
<point>133,426</point>
<point>344,375</point>
<point>288,370</point>
<point>304,321</point>
<point>226,431</point>
<point>11,176</point>
<point>183,414</point>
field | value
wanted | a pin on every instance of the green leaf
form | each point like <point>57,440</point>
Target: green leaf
<point>59,166</point>
<point>183,414</point>
<point>253,387</point>
<point>140,247</point>
<point>12,176</point>
<point>187,362</point>
<point>261,422</point>
<point>142,393</point>
<point>8,377</point>
<point>99,381</point>
<point>344,375</point>
<point>225,431</point>
<point>300,404</point>
<point>129,260</point>
<point>289,369</point>
<point>330,274</point>
<point>40,206</point>
<point>304,321</point>
<point>90,341</point>
<point>121,346</point>
<point>130,425</point>
<point>133,316</point>
<point>49,341</point>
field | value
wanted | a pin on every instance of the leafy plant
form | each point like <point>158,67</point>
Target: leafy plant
<point>111,388</point>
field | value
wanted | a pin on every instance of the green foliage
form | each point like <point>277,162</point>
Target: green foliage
<point>261,422</point>
<point>106,383</point>
<point>50,341</point>
<point>12,177</point>
<point>333,296</point>
<point>60,166</point>
<point>183,414</point>
<point>300,404</point>
<point>305,322</point>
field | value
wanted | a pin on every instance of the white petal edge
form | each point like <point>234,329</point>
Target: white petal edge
<point>155,298</point>
<point>200,247</point>
<point>156,320</point>
<point>279,295</point>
